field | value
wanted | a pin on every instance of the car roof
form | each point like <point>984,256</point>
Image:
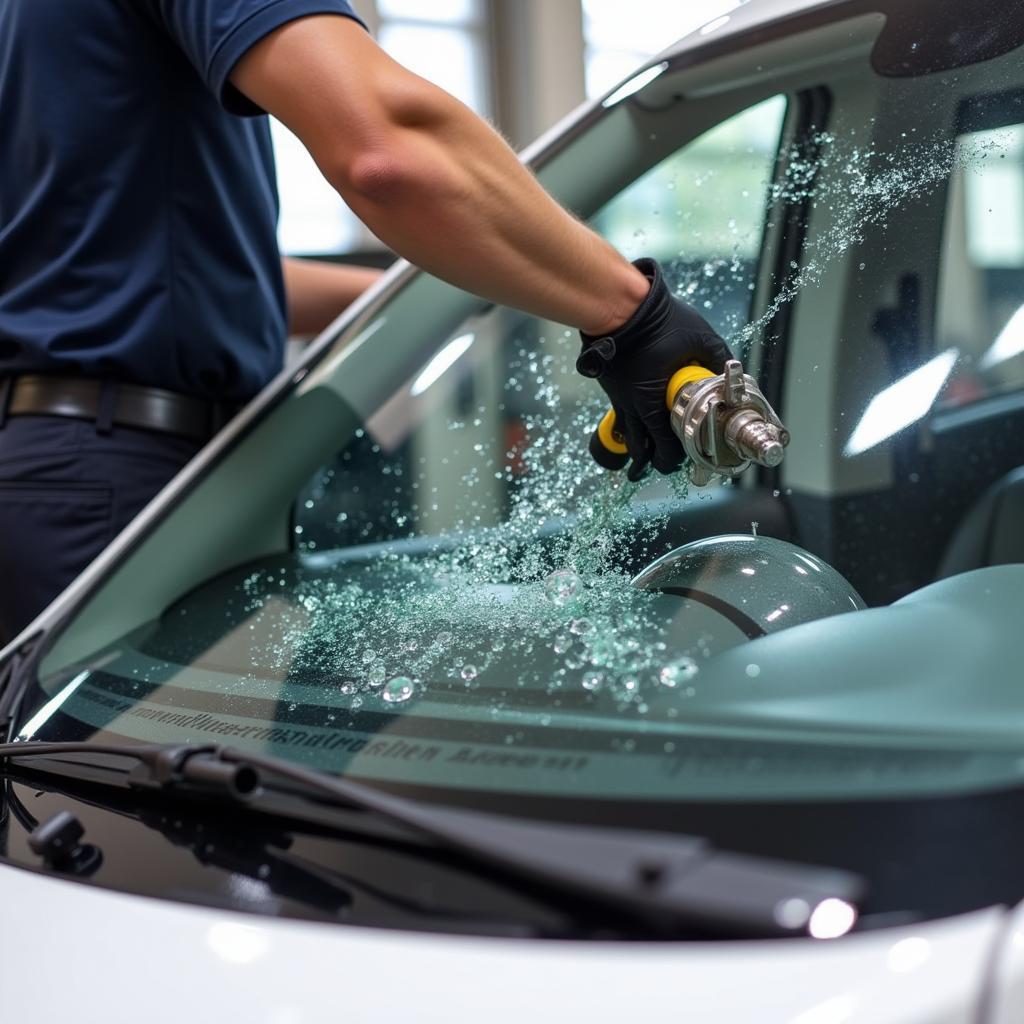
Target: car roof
<point>753,15</point>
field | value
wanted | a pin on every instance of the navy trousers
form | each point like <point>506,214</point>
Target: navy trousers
<point>66,491</point>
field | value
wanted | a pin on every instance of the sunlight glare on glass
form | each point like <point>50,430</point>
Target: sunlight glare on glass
<point>831,919</point>
<point>902,403</point>
<point>1010,342</point>
<point>53,705</point>
<point>442,362</point>
<point>635,84</point>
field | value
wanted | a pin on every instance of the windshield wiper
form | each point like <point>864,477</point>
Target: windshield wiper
<point>667,882</point>
<point>264,853</point>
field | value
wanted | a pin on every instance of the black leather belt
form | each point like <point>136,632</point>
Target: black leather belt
<point>110,403</point>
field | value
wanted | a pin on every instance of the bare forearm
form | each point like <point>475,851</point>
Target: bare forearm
<point>433,180</point>
<point>318,291</point>
<point>464,208</point>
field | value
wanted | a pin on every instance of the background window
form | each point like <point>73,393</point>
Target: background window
<point>981,282</point>
<point>444,42</point>
<point>619,36</point>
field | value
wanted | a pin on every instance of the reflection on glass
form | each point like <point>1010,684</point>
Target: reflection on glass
<point>443,361</point>
<point>1010,342</point>
<point>901,404</point>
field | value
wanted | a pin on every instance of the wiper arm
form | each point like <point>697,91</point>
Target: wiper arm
<point>667,882</point>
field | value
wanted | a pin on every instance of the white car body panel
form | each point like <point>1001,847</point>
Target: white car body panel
<point>70,951</point>
<point>1007,1003</point>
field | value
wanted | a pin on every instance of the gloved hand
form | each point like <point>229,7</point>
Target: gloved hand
<point>635,363</point>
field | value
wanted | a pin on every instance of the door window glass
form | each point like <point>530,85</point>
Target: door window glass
<point>701,213</point>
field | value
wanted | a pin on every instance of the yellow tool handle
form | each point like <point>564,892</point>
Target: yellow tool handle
<point>608,446</point>
<point>679,380</point>
<point>612,440</point>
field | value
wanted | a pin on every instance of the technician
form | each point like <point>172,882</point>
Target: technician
<point>143,298</point>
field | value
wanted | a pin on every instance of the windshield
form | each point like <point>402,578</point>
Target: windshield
<point>409,570</point>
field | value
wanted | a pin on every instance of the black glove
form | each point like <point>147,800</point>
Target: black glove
<point>636,362</point>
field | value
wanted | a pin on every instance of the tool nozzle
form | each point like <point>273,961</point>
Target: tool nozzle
<point>756,440</point>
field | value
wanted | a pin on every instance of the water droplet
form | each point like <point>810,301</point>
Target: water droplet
<point>376,674</point>
<point>753,671</point>
<point>468,672</point>
<point>677,672</point>
<point>580,627</point>
<point>593,681</point>
<point>397,690</point>
<point>561,643</point>
<point>562,587</point>
<point>863,265</point>
<point>369,656</point>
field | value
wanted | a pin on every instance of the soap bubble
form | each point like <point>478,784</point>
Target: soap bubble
<point>562,587</point>
<point>398,690</point>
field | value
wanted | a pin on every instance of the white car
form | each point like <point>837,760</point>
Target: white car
<point>387,710</point>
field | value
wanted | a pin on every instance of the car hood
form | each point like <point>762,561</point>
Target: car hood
<point>77,949</point>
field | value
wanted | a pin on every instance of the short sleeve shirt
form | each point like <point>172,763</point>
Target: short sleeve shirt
<point>138,200</point>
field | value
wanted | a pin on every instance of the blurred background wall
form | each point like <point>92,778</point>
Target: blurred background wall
<point>522,64</point>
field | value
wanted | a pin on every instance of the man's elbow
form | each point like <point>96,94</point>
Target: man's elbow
<point>402,152</point>
<point>393,176</point>
<point>380,176</point>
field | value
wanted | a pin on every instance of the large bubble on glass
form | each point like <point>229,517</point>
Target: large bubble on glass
<point>761,584</point>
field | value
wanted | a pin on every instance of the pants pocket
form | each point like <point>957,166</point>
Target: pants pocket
<point>49,532</point>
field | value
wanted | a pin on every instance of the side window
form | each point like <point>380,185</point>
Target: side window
<point>701,213</point>
<point>981,279</point>
<point>493,429</point>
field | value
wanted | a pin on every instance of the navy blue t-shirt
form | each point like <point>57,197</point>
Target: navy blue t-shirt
<point>138,211</point>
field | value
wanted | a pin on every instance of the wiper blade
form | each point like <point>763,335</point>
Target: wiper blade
<point>667,882</point>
